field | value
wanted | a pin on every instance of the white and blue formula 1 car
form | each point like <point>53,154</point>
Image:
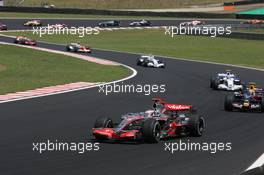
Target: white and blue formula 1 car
<point>226,81</point>
<point>150,61</point>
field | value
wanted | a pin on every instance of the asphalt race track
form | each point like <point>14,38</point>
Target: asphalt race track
<point>69,118</point>
<point>17,24</point>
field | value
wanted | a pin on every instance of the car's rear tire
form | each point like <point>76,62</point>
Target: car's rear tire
<point>229,99</point>
<point>197,125</point>
<point>164,66</point>
<point>145,64</point>
<point>103,122</point>
<point>151,131</point>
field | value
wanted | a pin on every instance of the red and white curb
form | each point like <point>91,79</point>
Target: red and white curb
<point>44,91</point>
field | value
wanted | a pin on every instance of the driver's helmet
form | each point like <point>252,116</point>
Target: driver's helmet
<point>252,89</point>
<point>156,113</point>
<point>228,75</point>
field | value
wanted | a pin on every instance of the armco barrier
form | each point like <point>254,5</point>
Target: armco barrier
<point>249,16</point>
<point>245,2</point>
<point>115,12</point>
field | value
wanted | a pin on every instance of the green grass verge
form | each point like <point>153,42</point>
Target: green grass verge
<point>23,69</point>
<point>77,16</point>
<point>221,50</point>
<point>117,4</point>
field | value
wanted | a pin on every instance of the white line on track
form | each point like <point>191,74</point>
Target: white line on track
<point>258,163</point>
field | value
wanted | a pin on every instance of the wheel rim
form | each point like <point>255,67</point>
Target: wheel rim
<point>157,132</point>
<point>108,124</point>
<point>201,126</point>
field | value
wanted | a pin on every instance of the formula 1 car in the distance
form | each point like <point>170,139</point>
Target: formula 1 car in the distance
<point>25,41</point>
<point>253,21</point>
<point>3,26</point>
<point>248,99</point>
<point>226,81</point>
<point>113,23</point>
<point>150,61</point>
<point>32,23</point>
<point>57,26</point>
<point>165,121</point>
<point>140,23</point>
<point>192,23</point>
<point>76,47</point>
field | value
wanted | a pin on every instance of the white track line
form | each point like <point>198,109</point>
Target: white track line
<point>134,73</point>
<point>258,163</point>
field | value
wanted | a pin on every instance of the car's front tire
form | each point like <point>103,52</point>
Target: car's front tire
<point>229,99</point>
<point>68,49</point>
<point>103,122</point>
<point>139,62</point>
<point>211,82</point>
<point>215,84</point>
<point>151,131</point>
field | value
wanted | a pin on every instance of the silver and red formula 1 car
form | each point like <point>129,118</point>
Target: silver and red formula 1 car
<point>25,41</point>
<point>3,26</point>
<point>76,47</point>
<point>164,121</point>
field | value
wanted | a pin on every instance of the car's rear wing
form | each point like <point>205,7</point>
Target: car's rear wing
<point>177,107</point>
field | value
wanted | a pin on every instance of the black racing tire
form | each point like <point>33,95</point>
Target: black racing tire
<point>75,50</point>
<point>215,84</point>
<point>211,82</point>
<point>229,99</point>
<point>164,66</point>
<point>68,49</point>
<point>197,125</point>
<point>139,62</point>
<point>103,122</point>
<point>15,41</point>
<point>262,105</point>
<point>151,131</point>
<point>145,64</point>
